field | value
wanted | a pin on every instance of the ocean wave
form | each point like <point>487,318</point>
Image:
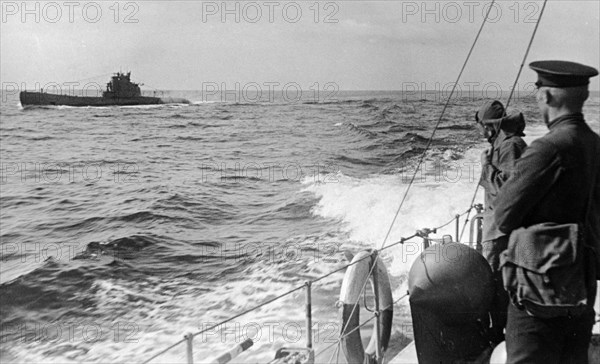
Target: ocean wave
<point>54,284</point>
<point>458,127</point>
<point>152,250</point>
<point>358,161</point>
<point>144,216</point>
<point>414,138</point>
<point>361,130</point>
<point>133,242</point>
<point>205,125</point>
<point>39,138</point>
<point>178,116</point>
<point>191,138</point>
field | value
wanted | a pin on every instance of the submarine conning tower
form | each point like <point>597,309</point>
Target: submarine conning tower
<point>120,86</point>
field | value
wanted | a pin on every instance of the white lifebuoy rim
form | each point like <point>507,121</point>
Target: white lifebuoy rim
<point>350,293</point>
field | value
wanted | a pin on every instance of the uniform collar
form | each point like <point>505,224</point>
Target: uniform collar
<point>565,118</point>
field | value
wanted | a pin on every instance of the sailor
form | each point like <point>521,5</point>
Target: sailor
<point>554,183</point>
<point>504,134</point>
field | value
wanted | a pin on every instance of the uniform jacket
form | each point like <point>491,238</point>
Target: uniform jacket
<point>552,180</point>
<point>507,148</point>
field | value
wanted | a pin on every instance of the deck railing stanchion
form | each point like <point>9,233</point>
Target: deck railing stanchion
<point>308,315</point>
<point>378,354</point>
<point>423,233</point>
<point>190,348</point>
<point>479,208</point>
<point>457,228</point>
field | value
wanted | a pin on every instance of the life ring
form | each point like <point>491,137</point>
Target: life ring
<point>350,293</point>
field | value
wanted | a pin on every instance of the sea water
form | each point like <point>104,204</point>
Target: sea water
<point>124,228</point>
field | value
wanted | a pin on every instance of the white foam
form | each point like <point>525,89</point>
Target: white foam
<point>205,102</point>
<point>367,206</point>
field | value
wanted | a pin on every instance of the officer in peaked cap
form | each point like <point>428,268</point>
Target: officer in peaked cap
<point>555,181</point>
<point>562,74</point>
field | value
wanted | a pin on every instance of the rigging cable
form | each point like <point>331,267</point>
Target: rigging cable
<point>510,97</point>
<point>429,142</point>
<point>437,124</point>
<point>537,24</point>
<point>403,198</point>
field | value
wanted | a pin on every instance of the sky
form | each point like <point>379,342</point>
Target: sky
<point>354,45</point>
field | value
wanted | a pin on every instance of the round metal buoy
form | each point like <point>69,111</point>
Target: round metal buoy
<point>451,290</point>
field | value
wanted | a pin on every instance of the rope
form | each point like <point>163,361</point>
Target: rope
<point>362,290</point>
<point>337,359</point>
<point>228,320</point>
<point>336,353</point>
<point>339,340</point>
<point>278,297</point>
<point>438,123</point>
<point>264,303</point>
<point>511,94</point>
<point>525,56</point>
<point>453,219</point>
<point>249,310</point>
<point>340,269</point>
<point>401,241</point>
<point>429,142</point>
<point>467,219</point>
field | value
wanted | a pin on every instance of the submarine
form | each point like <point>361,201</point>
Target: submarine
<point>120,91</point>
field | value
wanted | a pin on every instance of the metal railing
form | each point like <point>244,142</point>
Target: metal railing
<point>307,286</point>
<point>476,228</point>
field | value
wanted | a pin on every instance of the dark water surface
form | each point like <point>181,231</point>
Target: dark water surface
<point>122,229</point>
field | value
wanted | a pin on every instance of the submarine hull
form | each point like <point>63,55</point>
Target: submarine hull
<point>46,99</point>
